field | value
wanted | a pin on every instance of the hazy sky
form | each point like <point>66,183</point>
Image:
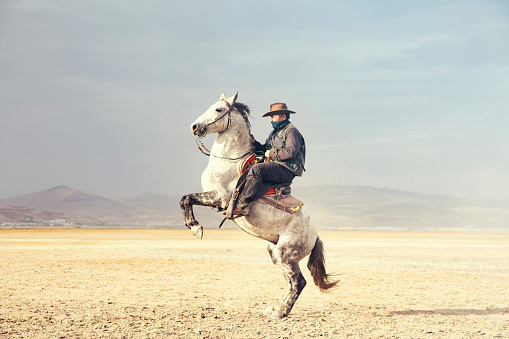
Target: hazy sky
<point>99,95</point>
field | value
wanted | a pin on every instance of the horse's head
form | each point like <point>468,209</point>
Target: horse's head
<point>216,119</point>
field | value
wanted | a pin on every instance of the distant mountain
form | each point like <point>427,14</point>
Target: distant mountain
<point>338,206</point>
<point>334,206</point>
<point>23,215</point>
<point>146,209</point>
<point>63,199</point>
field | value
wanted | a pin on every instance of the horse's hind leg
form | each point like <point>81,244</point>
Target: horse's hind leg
<point>290,267</point>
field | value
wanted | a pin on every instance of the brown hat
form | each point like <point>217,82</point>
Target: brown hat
<point>278,108</point>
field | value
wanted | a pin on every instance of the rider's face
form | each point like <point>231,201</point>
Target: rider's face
<point>274,118</point>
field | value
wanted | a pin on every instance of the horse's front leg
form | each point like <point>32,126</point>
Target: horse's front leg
<point>209,199</point>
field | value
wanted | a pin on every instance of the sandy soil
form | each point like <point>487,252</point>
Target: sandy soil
<point>165,283</point>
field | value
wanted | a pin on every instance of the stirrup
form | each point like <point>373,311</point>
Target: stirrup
<point>231,205</point>
<point>232,212</point>
<point>232,215</point>
<point>227,217</point>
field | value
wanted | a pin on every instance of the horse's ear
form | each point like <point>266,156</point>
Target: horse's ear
<point>223,96</point>
<point>233,99</point>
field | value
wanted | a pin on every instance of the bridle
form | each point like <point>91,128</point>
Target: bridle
<point>229,112</point>
<point>204,149</point>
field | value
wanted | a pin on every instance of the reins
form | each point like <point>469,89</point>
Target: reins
<point>204,149</point>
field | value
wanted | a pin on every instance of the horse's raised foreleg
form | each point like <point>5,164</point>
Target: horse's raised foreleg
<point>296,282</point>
<point>209,199</point>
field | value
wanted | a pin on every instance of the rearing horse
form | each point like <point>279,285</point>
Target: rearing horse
<point>291,237</point>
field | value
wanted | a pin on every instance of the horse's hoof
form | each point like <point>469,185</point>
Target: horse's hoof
<point>197,231</point>
<point>273,313</point>
<point>268,311</point>
<point>276,315</point>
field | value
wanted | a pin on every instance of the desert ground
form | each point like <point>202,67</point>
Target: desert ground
<point>100,283</point>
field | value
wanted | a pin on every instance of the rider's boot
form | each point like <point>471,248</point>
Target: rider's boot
<point>246,196</point>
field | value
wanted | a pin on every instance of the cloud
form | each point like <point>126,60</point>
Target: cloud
<point>102,94</point>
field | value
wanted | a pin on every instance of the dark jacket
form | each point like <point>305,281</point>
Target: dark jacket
<point>287,148</point>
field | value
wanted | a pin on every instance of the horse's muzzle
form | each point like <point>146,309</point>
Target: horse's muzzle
<point>198,130</point>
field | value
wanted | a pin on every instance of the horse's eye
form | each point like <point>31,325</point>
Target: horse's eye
<point>219,109</point>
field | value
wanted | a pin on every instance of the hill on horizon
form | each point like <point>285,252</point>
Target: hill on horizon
<point>364,206</point>
<point>24,215</point>
<point>63,199</point>
<point>147,209</point>
<point>332,207</point>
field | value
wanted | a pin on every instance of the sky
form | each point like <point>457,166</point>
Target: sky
<point>406,95</point>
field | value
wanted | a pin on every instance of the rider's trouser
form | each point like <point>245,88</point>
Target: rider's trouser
<point>260,178</point>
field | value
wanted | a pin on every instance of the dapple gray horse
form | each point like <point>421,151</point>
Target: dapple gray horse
<point>291,237</point>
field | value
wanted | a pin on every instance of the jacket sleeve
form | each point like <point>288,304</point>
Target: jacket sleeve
<point>292,147</point>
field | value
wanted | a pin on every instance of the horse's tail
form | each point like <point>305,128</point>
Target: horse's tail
<point>316,265</point>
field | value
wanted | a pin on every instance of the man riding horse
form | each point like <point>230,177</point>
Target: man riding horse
<point>285,154</point>
<point>291,236</point>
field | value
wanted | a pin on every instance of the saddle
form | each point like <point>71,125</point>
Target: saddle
<point>279,196</point>
<point>282,200</point>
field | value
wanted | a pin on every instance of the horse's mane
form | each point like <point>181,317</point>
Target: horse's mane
<point>244,112</point>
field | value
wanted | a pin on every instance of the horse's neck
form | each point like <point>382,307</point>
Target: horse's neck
<point>233,143</point>
<point>221,173</point>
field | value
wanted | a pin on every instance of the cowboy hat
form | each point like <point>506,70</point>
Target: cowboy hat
<point>278,108</point>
